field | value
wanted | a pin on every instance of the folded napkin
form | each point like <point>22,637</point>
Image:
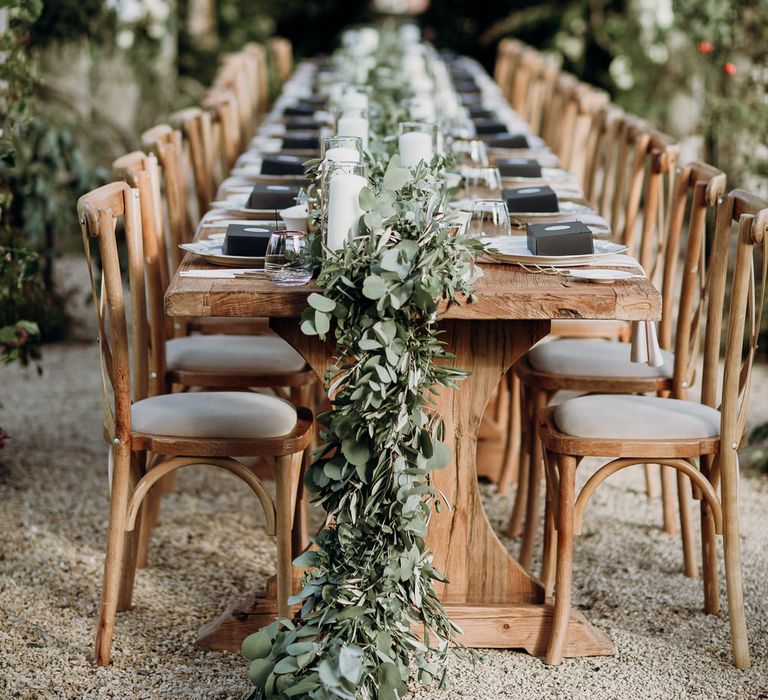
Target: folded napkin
<point>645,339</point>
<point>215,274</point>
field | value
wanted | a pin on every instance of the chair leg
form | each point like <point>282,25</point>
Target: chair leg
<point>564,575</point>
<point>684,497</point>
<point>650,484</point>
<point>732,554</point>
<point>113,563</point>
<point>535,470</point>
<point>515,526</point>
<point>287,468</point>
<point>301,396</point>
<point>510,466</point>
<point>709,561</point>
<point>668,499</point>
<point>549,555</point>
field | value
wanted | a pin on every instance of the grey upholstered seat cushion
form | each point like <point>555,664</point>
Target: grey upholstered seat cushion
<point>214,414</point>
<point>617,416</point>
<point>235,354</point>
<point>581,357</point>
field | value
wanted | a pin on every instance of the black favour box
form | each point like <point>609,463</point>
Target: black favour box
<point>301,123</point>
<point>559,238</point>
<point>301,141</point>
<point>481,113</point>
<point>282,165</point>
<point>466,87</point>
<point>306,109</point>
<point>538,198</point>
<point>246,240</point>
<point>507,140</point>
<point>273,196</point>
<point>518,167</point>
<point>489,126</point>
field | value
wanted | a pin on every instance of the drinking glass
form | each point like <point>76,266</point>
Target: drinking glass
<point>481,183</point>
<point>472,152</point>
<point>288,261</point>
<point>489,218</point>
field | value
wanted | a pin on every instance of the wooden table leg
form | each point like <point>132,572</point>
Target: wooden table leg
<point>496,602</point>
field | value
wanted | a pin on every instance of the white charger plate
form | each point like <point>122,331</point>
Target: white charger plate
<point>210,249</point>
<point>603,275</point>
<point>514,249</point>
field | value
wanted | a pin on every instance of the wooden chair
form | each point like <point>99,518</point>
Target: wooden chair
<point>218,360</point>
<point>694,438</point>
<point>196,127</point>
<point>587,365</point>
<point>640,204</point>
<point>151,437</point>
<point>239,75</point>
<point>281,53</point>
<point>508,57</point>
<point>222,105</point>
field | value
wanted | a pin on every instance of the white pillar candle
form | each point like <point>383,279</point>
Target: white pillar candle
<point>353,100</point>
<point>415,146</point>
<point>343,153</point>
<point>344,209</point>
<point>350,125</point>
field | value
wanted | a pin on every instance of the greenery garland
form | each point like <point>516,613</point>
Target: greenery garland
<point>368,604</point>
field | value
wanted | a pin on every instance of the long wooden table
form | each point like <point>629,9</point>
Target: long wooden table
<point>489,595</point>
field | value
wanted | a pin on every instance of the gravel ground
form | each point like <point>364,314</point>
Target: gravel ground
<point>210,547</point>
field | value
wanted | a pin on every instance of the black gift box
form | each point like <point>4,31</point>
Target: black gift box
<point>273,196</point>
<point>306,109</point>
<point>559,238</point>
<point>489,126</point>
<point>507,141</point>
<point>301,141</point>
<point>466,87</point>
<point>518,167</point>
<point>282,165</point>
<point>246,240</point>
<point>481,113</point>
<point>301,123</point>
<point>535,198</point>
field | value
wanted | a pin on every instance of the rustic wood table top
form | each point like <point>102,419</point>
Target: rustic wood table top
<point>505,292</point>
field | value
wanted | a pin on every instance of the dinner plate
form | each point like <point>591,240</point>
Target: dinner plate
<point>236,202</point>
<point>566,207</point>
<point>210,249</point>
<point>514,249</point>
<point>603,275</point>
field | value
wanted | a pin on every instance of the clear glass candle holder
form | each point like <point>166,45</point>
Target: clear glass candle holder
<point>288,261</point>
<point>489,219</point>
<point>348,149</point>
<point>481,183</point>
<point>471,152</point>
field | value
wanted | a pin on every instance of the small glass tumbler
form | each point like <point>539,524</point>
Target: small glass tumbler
<point>288,261</point>
<point>481,183</point>
<point>472,152</point>
<point>489,219</point>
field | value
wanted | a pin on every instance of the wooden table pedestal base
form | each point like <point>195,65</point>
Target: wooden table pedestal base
<point>489,595</point>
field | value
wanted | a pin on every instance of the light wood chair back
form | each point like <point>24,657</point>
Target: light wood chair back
<point>124,371</point>
<point>540,92</point>
<point>238,75</point>
<point>747,215</point>
<point>222,104</point>
<point>166,144</point>
<point>508,58</point>
<point>559,118</point>
<point>196,126</point>
<point>142,173</point>
<point>259,56</point>
<point>698,190</point>
<point>281,53</point>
